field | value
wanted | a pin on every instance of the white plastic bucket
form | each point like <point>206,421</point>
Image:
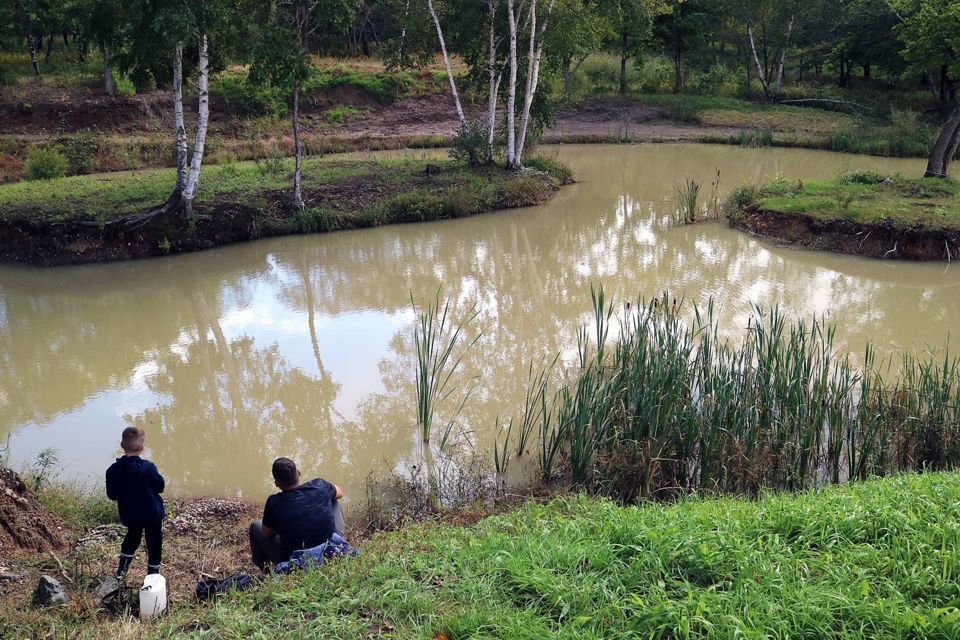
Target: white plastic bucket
<point>153,596</point>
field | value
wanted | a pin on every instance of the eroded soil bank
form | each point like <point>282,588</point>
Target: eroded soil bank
<point>89,219</point>
<point>881,240</point>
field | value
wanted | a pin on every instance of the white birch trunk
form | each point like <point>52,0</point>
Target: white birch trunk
<point>512,161</point>
<point>533,75</point>
<point>783,58</point>
<point>203,117</point>
<point>446,61</point>
<point>181,129</point>
<point>297,150</point>
<point>494,87</point>
<point>756,60</point>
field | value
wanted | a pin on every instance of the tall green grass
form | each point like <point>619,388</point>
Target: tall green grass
<point>668,407</point>
<point>866,561</point>
<point>441,342</point>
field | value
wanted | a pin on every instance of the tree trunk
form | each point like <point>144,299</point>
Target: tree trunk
<point>33,56</point>
<point>493,79</point>
<point>756,60</point>
<point>783,59</point>
<point>533,77</point>
<point>181,129</point>
<point>203,118</point>
<point>446,62</point>
<point>866,70</point>
<point>46,57</point>
<point>107,71</point>
<point>945,147</point>
<point>623,63</point>
<point>512,161</point>
<point>297,150</point>
<point>677,60</point>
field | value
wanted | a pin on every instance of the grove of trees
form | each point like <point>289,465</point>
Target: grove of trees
<point>519,55</point>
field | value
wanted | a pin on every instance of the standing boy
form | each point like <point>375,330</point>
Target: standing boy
<point>136,485</point>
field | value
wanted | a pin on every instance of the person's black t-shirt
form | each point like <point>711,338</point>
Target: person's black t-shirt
<point>303,517</point>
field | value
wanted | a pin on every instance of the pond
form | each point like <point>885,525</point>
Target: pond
<point>303,346</point>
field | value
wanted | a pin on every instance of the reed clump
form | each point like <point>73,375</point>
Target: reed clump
<point>670,407</point>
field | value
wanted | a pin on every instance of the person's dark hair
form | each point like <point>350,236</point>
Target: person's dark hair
<point>285,472</point>
<point>131,440</point>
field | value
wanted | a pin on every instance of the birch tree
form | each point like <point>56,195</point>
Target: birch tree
<point>449,67</point>
<point>203,119</point>
<point>761,69</point>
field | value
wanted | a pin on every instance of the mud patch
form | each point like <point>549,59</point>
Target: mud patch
<point>25,526</point>
<point>888,242</point>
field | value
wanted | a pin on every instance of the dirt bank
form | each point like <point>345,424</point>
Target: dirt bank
<point>883,241</point>
<point>338,195</point>
<point>25,526</point>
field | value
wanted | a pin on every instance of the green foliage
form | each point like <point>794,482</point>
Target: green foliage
<point>866,560</point>
<point>470,144</point>
<point>385,88</point>
<point>341,113</point>
<point>665,405</point>
<point>523,191</point>
<point>867,197</point>
<point>78,504</point>
<point>687,192</point>
<point>80,150</point>
<point>753,138</point>
<point>45,163</point>
<point>863,176</point>
<point>781,186</point>
<point>316,219</point>
<point>906,135</point>
<point>249,98</point>
<point>560,172</point>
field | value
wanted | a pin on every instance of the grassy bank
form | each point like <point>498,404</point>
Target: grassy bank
<point>70,219</point>
<point>864,561</point>
<point>863,213</point>
<point>864,197</point>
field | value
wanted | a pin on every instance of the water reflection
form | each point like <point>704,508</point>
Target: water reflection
<point>303,346</point>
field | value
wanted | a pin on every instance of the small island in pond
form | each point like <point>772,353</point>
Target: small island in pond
<point>862,213</point>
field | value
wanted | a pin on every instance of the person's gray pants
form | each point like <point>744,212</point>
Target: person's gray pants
<point>265,550</point>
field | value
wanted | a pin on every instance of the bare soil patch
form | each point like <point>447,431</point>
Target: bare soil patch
<point>25,526</point>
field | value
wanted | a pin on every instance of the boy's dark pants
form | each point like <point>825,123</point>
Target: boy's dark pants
<point>131,542</point>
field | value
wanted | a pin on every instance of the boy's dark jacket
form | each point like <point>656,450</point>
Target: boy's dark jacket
<point>136,485</point>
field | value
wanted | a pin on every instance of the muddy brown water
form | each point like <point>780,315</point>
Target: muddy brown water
<point>302,346</point>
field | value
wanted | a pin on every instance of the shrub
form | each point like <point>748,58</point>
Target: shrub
<point>781,186</point>
<point>470,144</point>
<point>413,206</point>
<point>45,163</point>
<point>863,177</point>
<point>552,167</point>
<point>655,74</point>
<point>316,219</point>
<point>741,198</point>
<point>80,151</point>
<point>753,139</point>
<point>460,202</point>
<point>340,113</point>
<point>718,81</point>
<point>247,98</point>
<point>523,191</point>
<point>384,87</point>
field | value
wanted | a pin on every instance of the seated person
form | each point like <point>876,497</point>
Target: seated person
<point>301,516</point>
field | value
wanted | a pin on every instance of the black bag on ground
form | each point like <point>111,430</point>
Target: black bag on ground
<point>210,587</point>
